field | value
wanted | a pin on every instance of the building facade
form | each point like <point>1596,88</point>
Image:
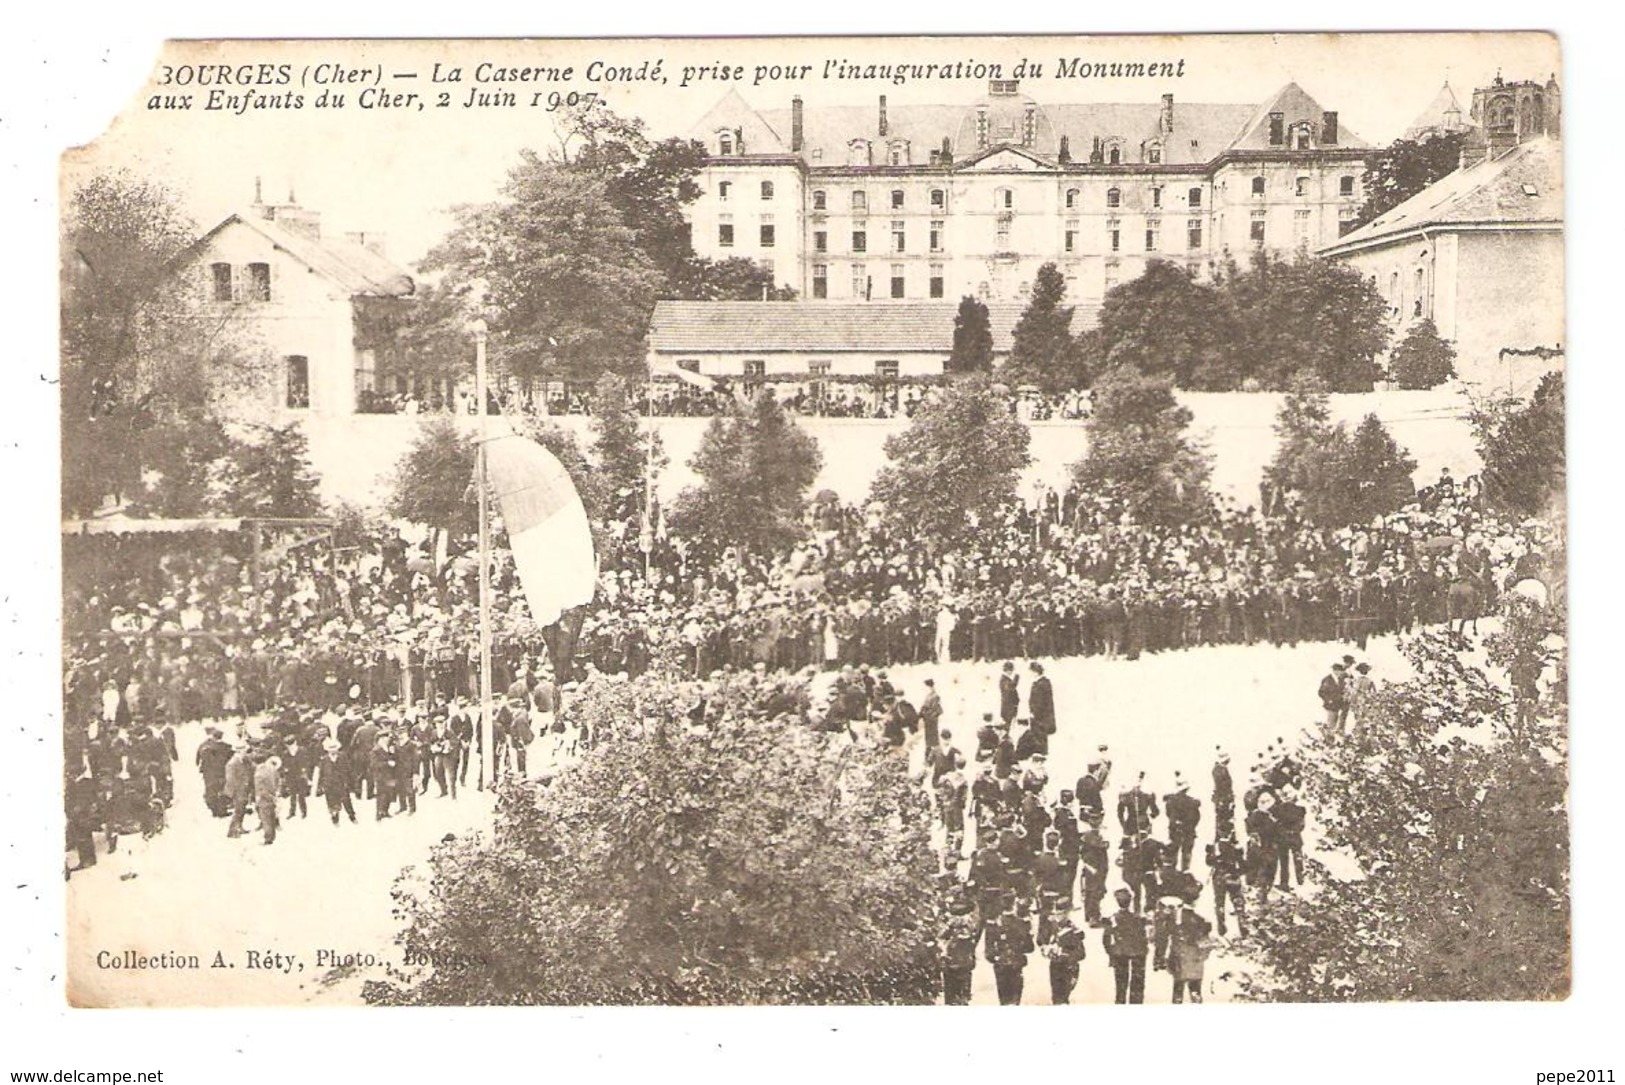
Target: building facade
<point>300,298</point>
<point>1480,253</point>
<point>923,203</point>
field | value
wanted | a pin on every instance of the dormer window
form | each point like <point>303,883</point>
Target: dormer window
<point>1114,157</point>
<point>1153,154</point>
<point>725,144</point>
<point>898,152</point>
<point>859,153</point>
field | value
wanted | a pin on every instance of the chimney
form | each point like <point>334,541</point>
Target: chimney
<point>882,116</point>
<point>1166,124</point>
<point>1328,127</point>
<point>371,240</point>
<point>796,128</point>
<point>258,198</point>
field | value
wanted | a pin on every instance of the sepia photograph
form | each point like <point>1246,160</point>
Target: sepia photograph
<point>817,522</point>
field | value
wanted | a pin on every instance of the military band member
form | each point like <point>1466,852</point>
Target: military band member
<point>1094,862</point>
<point>1184,814</point>
<point>1225,864</point>
<point>1066,950</point>
<point>1009,941</point>
<point>1126,948</point>
<point>957,946</point>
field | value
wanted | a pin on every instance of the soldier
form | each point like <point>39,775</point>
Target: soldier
<point>1054,890</point>
<point>1066,824</point>
<point>1224,795</point>
<point>931,715</point>
<point>333,780</point>
<point>1094,857</point>
<point>951,795</point>
<point>1137,808</point>
<point>212,755</point>
<point>1184,814</point>
<point>1182,947</point>
<point>1224,863</point>
<point>957,944</point>
<point>1126,947</point>
<point>1009,941</point>
<point>1261,846</point>
<point>1289,822</point>
<point>1065,950</point>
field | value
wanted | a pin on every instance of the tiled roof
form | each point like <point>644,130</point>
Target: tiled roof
<point>358,270</point>
<point>824,326</point>
<point>828,130</point>
<point>1523,186</point>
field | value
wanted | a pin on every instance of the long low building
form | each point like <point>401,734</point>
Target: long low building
<point>810,341</point>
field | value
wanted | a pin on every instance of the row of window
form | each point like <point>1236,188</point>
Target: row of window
<point>1004,199</point>
<point>756,368</point>
<point>863,285</point>
<point>252,283</point>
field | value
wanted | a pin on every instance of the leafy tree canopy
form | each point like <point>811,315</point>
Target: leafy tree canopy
<point>1525,467</point>
<point>1140,458</point>
<point>973,338</point>
<point>1422,359</point>
<point>959,460</point>
<point>1405,167</point>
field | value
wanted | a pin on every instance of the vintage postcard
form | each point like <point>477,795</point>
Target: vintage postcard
<point>792,521</point>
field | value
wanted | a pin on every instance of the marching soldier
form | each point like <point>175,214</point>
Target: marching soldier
<point>1225,864</point>
<point>1184,814</point>
<point>1126,947</point>
<point>1065,950</point>
<point>1224,795</point>
<point>1009,941</point>
<point>957,944</point>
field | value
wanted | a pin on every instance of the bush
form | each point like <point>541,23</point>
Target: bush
<point>1422,359</point>
<point>748,859</point>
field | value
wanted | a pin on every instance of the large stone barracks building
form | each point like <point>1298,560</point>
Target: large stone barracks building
<point>925,202</point>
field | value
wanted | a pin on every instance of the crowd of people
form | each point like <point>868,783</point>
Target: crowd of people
<point>1027,866</point>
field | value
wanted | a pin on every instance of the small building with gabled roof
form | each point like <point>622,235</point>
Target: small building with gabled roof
<point>300,296</point>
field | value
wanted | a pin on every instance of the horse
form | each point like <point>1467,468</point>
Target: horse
<point>1464,602</point>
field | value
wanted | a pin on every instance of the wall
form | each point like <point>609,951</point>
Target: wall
<point>355,455</point>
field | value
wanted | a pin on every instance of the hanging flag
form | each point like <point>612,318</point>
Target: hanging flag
<point>547,526</point>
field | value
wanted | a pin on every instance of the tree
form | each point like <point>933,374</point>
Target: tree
<point>628,456</point>
<point>1308,316</point>
<point>1041,343</point>
<point>1164,323</point>
<point>269,474</point>
<point>973,339</point>
<point>147,359</point>
<point>756,466</point>
<point>751,859</point>
<point>1405,167</point>
<point>1525,470</point>
<point>567,288</point>
<point>1333,478</point>
<point>433,483</point>
<point>1422,359</point>
<point>958,462</point>
<point>1383,472</point>
<point>1446,806</point>
<point>1139,457</point>
<point>733,279</point>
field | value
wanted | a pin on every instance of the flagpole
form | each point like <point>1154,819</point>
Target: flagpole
<point>487,754</point>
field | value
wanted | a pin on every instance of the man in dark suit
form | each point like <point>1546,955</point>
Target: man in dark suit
<point>1009,941</point>
<point>1331,696</point>
<point>333,780</point>
<point>1137,808</point>
<point>1009,694</point>
<point>1041,701</point>
<point>1289,821</point>
<point>1066,950</point>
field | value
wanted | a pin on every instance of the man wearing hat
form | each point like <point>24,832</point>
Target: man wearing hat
<point>1225,864</point>
<point>1224,795</point>
<point>1331,695</point>
<point>1009,694</point>
<point>931,715</point>
<point>1137,808</point>
<point>239,788</point>
<point>1182,948</point>
<point>1094,862</point>
<point>1126,947</point>
<point>957,946</point>
<point>1041,701</point>
<point>1065,950</point>
<point>1184,814</point>
<point>267,786</point>
<point>1289,822</point>
<point>212,755</point>
<point>1009,941</point>
<point>333,780</point>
